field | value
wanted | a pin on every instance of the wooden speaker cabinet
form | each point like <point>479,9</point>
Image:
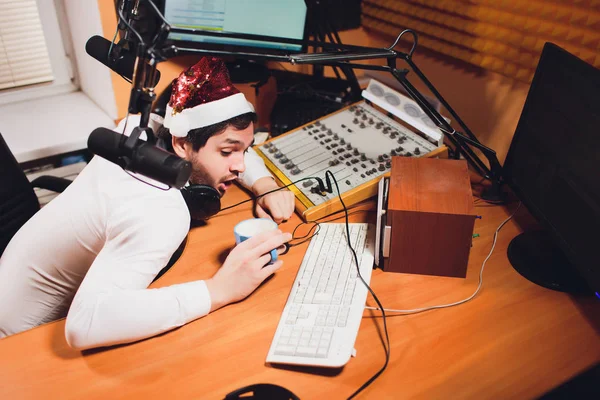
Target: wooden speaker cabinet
<point>431,215</point>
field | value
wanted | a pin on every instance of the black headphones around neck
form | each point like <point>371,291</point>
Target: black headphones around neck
<point>203,201</point>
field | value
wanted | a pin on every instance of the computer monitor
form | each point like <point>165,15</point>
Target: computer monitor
<point>277,18</point>
<point>553,166</point>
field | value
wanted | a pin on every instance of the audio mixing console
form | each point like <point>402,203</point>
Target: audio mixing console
<point>356,144</point>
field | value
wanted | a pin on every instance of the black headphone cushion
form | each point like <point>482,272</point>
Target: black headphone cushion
<point>203,201</point>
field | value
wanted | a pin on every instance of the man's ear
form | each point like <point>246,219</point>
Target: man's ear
<point>181,147</point>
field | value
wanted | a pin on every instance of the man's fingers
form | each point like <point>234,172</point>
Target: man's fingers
<point>251,243</point>
<point>291,204</point>
<point>261,213</point>
<point>270,243</point>
<point>277,213</point>
<point>263,260</point>
<point>281,250</point>
<point>270,269</point>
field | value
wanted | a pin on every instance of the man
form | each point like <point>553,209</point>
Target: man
<point>93,250</point>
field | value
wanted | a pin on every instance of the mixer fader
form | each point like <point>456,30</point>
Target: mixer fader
<point>356,144</point>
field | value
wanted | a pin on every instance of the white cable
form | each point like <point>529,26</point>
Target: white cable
<point>418,310</point>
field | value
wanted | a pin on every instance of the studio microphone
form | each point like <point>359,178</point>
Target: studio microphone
<point>98,47</point>
<point>144,158</point>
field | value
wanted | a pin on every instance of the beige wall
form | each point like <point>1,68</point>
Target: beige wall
<point>490,104</point>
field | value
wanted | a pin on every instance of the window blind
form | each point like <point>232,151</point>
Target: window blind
<point>504,36</point>
<point>24,56</point>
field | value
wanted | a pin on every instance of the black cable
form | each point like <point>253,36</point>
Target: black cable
<point>158,12</point>
<point>122,18</point>
<point>308,236</point>
<point>386,345</point>
<point>255,198</point>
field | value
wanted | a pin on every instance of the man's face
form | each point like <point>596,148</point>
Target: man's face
<point>221,160</point>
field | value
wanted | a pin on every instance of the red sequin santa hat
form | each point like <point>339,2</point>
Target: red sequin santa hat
<point>203,95</point>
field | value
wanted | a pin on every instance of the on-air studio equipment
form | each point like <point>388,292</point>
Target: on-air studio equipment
<point>145,33</point>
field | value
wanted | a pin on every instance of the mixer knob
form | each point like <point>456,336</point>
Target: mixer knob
<point>278,154</point>
<point>317,123</point>
<point>362,124</point>
<point>356,152</point>
<point>289,165</point>
<point>357,112</point>
<point>283,160</point>
<point>364,117</point>
<point>381,167</point>
<point>349,146</point>
<point>272,149</point>
<point>268,145</point>
<point>378,125</point>
<point>336,137</point>
<point>371,121</point>
<point>355,120</point>
<point>295,171</point>
<point>323,128</point>
<point>385,156</point>
<point>329,132</point>
<point>417,151</point>
<point>342,141</point>
<point>352,108</point>
<point>409,154</point>
<point>380,158</point>
<point>393,135</point>
<point>399,149</point>
<point>388,165</point>
<point>363,157</point>
<point>386,129</point>
<point>394,152</point>
<point>307,183</point>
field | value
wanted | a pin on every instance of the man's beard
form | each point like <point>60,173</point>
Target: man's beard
<point>200,177</point>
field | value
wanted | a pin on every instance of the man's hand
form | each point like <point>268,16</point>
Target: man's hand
<point>279,206</point>
<point>245,268</point>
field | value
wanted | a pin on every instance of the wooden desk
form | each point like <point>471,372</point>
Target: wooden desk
<point>514,340</point>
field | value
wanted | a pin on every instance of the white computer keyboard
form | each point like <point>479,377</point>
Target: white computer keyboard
<point>320,321</point>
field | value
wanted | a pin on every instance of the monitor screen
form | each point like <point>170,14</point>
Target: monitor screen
<point>278,18</point>
<point>553,163</point>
